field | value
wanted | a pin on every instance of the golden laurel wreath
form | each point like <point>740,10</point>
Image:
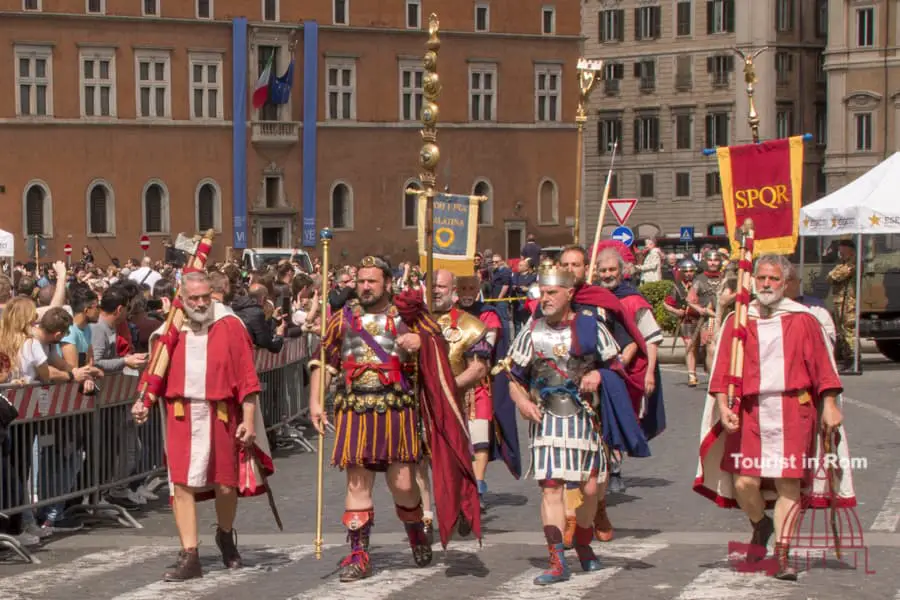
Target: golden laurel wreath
<point>450,236</point>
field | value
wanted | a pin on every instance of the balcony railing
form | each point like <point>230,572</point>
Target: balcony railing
<point>275,132</point>
<point>720,80</point>
<point>611,87</point>
<point>648,84</point>
<point>683,82</point>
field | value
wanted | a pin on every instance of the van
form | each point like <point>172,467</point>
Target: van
<point>254,259</point>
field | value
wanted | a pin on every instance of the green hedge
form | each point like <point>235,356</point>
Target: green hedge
<point>656,293</point>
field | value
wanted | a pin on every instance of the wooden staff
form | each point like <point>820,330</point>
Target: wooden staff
<point>741,305</point>
<point>603,205</point>
<point>325,236</point>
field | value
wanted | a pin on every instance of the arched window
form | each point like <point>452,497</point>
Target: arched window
<point>411,203</point>
<point>485,209</point>
<point>341,206</point>
<point>548,203</point>
<point>37,209</point>
<point>209,206</point>
<point>156,207</point>
<point>101,212</point>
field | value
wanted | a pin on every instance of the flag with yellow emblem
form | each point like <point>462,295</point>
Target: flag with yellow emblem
<point>455,232</point>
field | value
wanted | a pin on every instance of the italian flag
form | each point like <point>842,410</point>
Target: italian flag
<point>261,89</point>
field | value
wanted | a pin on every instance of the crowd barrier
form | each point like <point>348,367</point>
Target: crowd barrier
<point>66,446</point>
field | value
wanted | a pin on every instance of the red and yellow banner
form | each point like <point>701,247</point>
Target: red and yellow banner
<point>764,182</point>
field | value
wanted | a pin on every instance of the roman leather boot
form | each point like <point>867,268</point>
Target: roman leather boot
<point>186,567</point>
<point>586,556</point>
<point>227,544</point>
<point>558,570</point>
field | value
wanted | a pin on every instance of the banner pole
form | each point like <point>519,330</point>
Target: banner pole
<point>587,78</point>
<point>430,154</point>
<point>750,79</point>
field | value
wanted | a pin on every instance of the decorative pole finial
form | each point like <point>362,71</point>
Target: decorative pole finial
<point>588,71</point>
<point>430,154</point>
<point>750,79</point>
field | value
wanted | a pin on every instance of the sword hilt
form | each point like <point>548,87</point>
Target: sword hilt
<point>502,365</point>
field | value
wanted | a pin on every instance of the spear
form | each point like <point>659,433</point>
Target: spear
<point>590,277</point>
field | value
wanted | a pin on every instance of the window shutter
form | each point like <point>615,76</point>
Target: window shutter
<point>657,21</point>
<point>729,15</point>
<point>655,130</point>
<point>790,62</point>
<point>601,30</point>
<point>709,16</point>
<point>619,71</point>
<point>601,128</point>
<point>637,135</point>
<point>637,23</point>
<point>710,142</point>
<point>637,68</point>
<point>729,63</point>
<point>709,64</point>
<point>620,25</point>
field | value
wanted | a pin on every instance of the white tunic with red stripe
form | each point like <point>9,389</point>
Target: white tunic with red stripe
<point>788,365</point>
<point>211,367</point>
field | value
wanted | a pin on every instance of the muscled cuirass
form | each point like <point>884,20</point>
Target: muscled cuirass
<point>384,329</point>
<point>556,374</point>
<point>462,331</point>
<point>706,289</point>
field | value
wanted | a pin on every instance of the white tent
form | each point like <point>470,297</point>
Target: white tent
<point>7,244</point>
<point>868,205</point>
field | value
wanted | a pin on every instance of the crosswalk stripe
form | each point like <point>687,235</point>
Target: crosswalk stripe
<point>391,577</point>
<point>522,586</point>
<point>38,582</point>
<point>716,584</point>
<point>218,577</point>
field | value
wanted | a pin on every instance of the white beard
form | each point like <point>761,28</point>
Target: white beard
<point>768,298</point>
<point>199,318</point>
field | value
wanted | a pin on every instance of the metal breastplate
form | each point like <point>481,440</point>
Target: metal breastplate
<point>355,349</point>
<point>554,369</point>
<point>461,338</point>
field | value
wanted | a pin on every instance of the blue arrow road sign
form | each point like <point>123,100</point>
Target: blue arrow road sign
<point>624,235</point>
<point>687,234</point>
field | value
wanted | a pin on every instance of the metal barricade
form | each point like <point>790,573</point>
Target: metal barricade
<point>65,445</point>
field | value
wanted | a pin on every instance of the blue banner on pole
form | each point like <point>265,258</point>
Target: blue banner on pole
<point>310,120</point>
<point>455,230</point>
<point>239,132</point>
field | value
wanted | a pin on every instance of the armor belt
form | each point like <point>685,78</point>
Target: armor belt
<point>386,375</point>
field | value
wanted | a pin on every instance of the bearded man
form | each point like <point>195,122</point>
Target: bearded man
<point>762,452</point>
<point>559,362</point>
<point>395,373</point>
<point>211,393</point>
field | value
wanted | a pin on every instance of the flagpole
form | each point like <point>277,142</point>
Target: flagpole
<point>587,78</point>
<point>750,79</point>
<point>430,154</point>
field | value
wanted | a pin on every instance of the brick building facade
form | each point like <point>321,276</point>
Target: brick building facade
<point>122,123</point>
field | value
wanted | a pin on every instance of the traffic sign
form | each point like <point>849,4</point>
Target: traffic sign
<point>621,208</point>
<point>623,234</point>
<point>67,249</point>
<point>145,242</point>
<point>687,234</point>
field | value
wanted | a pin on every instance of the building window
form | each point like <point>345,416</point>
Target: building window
<point>546,90</point>
<point>101,209</point>
<point>863,132</point>
<point>821,125</point>
<point>411,204</point>
<point>341,12</point>
<point>548,20</point>
<point>613,74</point>
<point>31,5</point>
<point>865,27</point>
<point>270,10</point>
<point>98,83</point>
<point>341,206</point>
<point>646,134</point>
<point>682,185</point>
<point>784,15</point>
<point>209,206</point>
<point>647,21</point>
<point>482,92</point>
<point>482,17</point>
<point>150,8</point>
<point>548,203</point>
<point>683,18</point>
<point>821,18</point>
<point>341,90</point>
<point>272,191</point>
<point>784,64</point>
<point>413,14</point>
<point>684,134</point>
<point>96,7</point>
<point>153,92</point>
<point>713,185</point>
<point>645,70</point>
<point>38,213</point>
<point>717,129</point>
<point>206,86</point>
<point>720,67</point>
<point>784,122</point>
<point>684,71</point>
<point>486,208</point>
<point>719,16</point>
<point>156,208</point>
<point>612,25</point>
<point>411,90</point>
<point>268,111</point>
<point>34,79</point>
<point>204,9</point>
<point>646,184</point>
<point>609,131</point>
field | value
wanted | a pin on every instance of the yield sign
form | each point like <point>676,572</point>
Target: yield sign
<point>621,208</point>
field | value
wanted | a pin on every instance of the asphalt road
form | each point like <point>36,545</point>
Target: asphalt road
<point>670,543</point>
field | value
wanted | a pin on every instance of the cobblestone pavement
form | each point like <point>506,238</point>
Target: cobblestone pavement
<point>670,543</point>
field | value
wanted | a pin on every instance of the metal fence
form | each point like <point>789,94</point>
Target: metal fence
<point>65,445</point>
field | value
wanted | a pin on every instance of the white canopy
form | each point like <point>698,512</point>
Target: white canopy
<point>7,244</point>
<point>868,205</point>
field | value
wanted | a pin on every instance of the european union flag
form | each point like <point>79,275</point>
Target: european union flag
<point>280,88</point>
